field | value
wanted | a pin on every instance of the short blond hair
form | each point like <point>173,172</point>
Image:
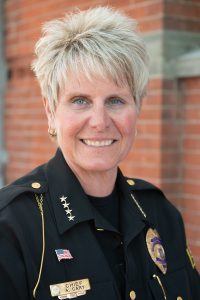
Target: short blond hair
<point>99,41</point>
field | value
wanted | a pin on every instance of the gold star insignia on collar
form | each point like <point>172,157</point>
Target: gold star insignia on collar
<point>63,198</point>
<point>71,218</point>
<point>65,205</point>
<point>68,211</point>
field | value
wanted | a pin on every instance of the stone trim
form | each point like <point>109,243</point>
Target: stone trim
<point>173,54</point>
<point>188,65</point>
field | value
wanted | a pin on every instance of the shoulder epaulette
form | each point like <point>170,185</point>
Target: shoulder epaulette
<point>33,182</point>
<point>139,184</point>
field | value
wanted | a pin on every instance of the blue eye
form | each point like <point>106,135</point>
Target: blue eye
<point>80,101</point>
<point>114,102</point>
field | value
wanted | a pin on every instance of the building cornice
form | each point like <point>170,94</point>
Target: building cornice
<point>173,54</point>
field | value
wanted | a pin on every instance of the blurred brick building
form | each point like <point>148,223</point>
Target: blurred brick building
<point>167,149</point>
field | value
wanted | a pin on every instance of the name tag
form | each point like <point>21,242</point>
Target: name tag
<point>70,289</point>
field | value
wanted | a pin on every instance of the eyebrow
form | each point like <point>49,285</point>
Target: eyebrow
<point>77,94</point>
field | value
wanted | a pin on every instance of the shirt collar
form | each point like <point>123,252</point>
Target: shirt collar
<point>133,216</point>
<point>70,204</point>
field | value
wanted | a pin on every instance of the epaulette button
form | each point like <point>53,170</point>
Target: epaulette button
<point>36,185</point>
<point>130,182</point>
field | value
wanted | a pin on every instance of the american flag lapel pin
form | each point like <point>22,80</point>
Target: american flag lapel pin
<point>63,254</point>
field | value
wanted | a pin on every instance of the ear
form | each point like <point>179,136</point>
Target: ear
<point>49,113</point>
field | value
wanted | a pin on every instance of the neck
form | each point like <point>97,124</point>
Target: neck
<point>97,184</point>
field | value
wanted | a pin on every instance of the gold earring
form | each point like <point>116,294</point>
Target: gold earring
<point>52,132</point>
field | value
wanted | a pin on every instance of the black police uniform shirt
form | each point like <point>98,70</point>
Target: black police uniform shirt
<point>71,222</point>
<point>111,242</point>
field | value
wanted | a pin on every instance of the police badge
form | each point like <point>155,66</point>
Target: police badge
<point>156,249</point>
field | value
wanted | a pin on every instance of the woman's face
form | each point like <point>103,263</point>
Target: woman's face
<point>95,123</point>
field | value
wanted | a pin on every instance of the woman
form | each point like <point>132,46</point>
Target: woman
<point>76,227</point>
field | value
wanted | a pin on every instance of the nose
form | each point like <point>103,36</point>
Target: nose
<point>99,119</point>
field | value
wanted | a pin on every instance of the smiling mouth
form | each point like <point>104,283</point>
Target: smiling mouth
<point>95,143</point>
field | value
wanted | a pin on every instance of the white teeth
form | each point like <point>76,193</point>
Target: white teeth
<point>98,143</point>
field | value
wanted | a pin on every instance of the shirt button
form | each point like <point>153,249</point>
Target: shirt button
<point>132,295</point>
<point>179,298</point>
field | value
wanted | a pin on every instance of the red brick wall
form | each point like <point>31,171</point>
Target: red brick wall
<point>182,15</point>
<point>166,151</point>
<point>181,175</point>
<point>190,161</point>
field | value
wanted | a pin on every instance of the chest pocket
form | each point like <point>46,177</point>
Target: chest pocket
<point>172,286</point>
